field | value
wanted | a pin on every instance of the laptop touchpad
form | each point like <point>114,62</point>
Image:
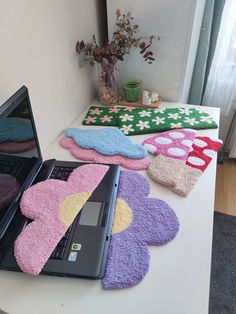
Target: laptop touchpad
<point>90,213</point>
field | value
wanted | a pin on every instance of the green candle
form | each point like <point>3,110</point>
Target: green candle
<point>132,90</point>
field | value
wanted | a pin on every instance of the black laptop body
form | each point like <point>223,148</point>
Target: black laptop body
<point>83,250</point>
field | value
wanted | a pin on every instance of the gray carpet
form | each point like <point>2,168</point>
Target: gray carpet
<point>223,268</point>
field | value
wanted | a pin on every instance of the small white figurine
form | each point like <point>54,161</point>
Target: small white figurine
<point>154,96</point>
<point>146,100</point>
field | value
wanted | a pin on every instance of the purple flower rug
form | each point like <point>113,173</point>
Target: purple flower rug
<point>139,221</point>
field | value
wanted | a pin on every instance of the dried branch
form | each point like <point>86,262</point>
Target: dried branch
<point>122,41</point>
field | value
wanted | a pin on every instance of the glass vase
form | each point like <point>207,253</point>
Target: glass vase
<point>108,93</point>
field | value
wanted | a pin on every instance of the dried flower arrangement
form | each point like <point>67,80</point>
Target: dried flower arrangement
<point>123,39</point>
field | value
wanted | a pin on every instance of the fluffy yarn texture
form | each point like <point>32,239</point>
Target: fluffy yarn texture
<point>174,143</point>
<point>182,176</point>
<point>17,147</point>
<point>185,182</point>
<point>107,142</point>
<point>154,222</point>
<point>165,170</point>
<point>139,121</point>
<point>9,187</point>
<point>203,150</point>
<point>53,205</point>
<point>15,130</point>
<point>173,148</point>
<point>105,116</point>
<point>92,155</point>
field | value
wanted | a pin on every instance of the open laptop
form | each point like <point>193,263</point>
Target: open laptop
<point>83,250</point>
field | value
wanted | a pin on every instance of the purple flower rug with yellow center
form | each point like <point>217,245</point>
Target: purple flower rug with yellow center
<point>139,221</point>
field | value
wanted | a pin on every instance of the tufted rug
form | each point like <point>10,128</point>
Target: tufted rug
<point>139,221</point>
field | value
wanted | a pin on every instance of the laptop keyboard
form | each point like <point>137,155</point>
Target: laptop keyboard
<point>9,167</point>
<point>61,173</point>
<point>59,251</point>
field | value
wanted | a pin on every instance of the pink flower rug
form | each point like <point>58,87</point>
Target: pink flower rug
<point>53,206</point>
<point>91,155</point>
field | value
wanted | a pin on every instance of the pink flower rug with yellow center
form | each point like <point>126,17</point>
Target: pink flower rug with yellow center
<point>52,205</point>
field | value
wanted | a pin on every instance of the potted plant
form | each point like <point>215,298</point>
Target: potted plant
<point>106,56</point>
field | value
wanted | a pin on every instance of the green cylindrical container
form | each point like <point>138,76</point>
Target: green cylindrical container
<point>132,90</point>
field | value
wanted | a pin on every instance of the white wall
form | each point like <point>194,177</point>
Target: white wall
<point>178,24</point>
<point>37,49</point>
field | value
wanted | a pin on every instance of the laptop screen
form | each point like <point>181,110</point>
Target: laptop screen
<point>19,149</point>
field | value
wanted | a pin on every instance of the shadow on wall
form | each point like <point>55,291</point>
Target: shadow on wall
<point>2,312</point>
<point>102,18</point>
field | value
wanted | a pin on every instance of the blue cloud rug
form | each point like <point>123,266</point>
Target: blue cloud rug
<point>109,141</point>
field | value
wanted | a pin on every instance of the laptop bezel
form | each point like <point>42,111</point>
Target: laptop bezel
<point>13,102</point>
<point>5,109</point>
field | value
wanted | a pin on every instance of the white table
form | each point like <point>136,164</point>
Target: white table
<point>179,276</point>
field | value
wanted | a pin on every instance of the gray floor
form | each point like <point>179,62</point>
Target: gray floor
<point>223,272</point>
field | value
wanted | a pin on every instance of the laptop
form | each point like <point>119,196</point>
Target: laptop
<point>21,165</point>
